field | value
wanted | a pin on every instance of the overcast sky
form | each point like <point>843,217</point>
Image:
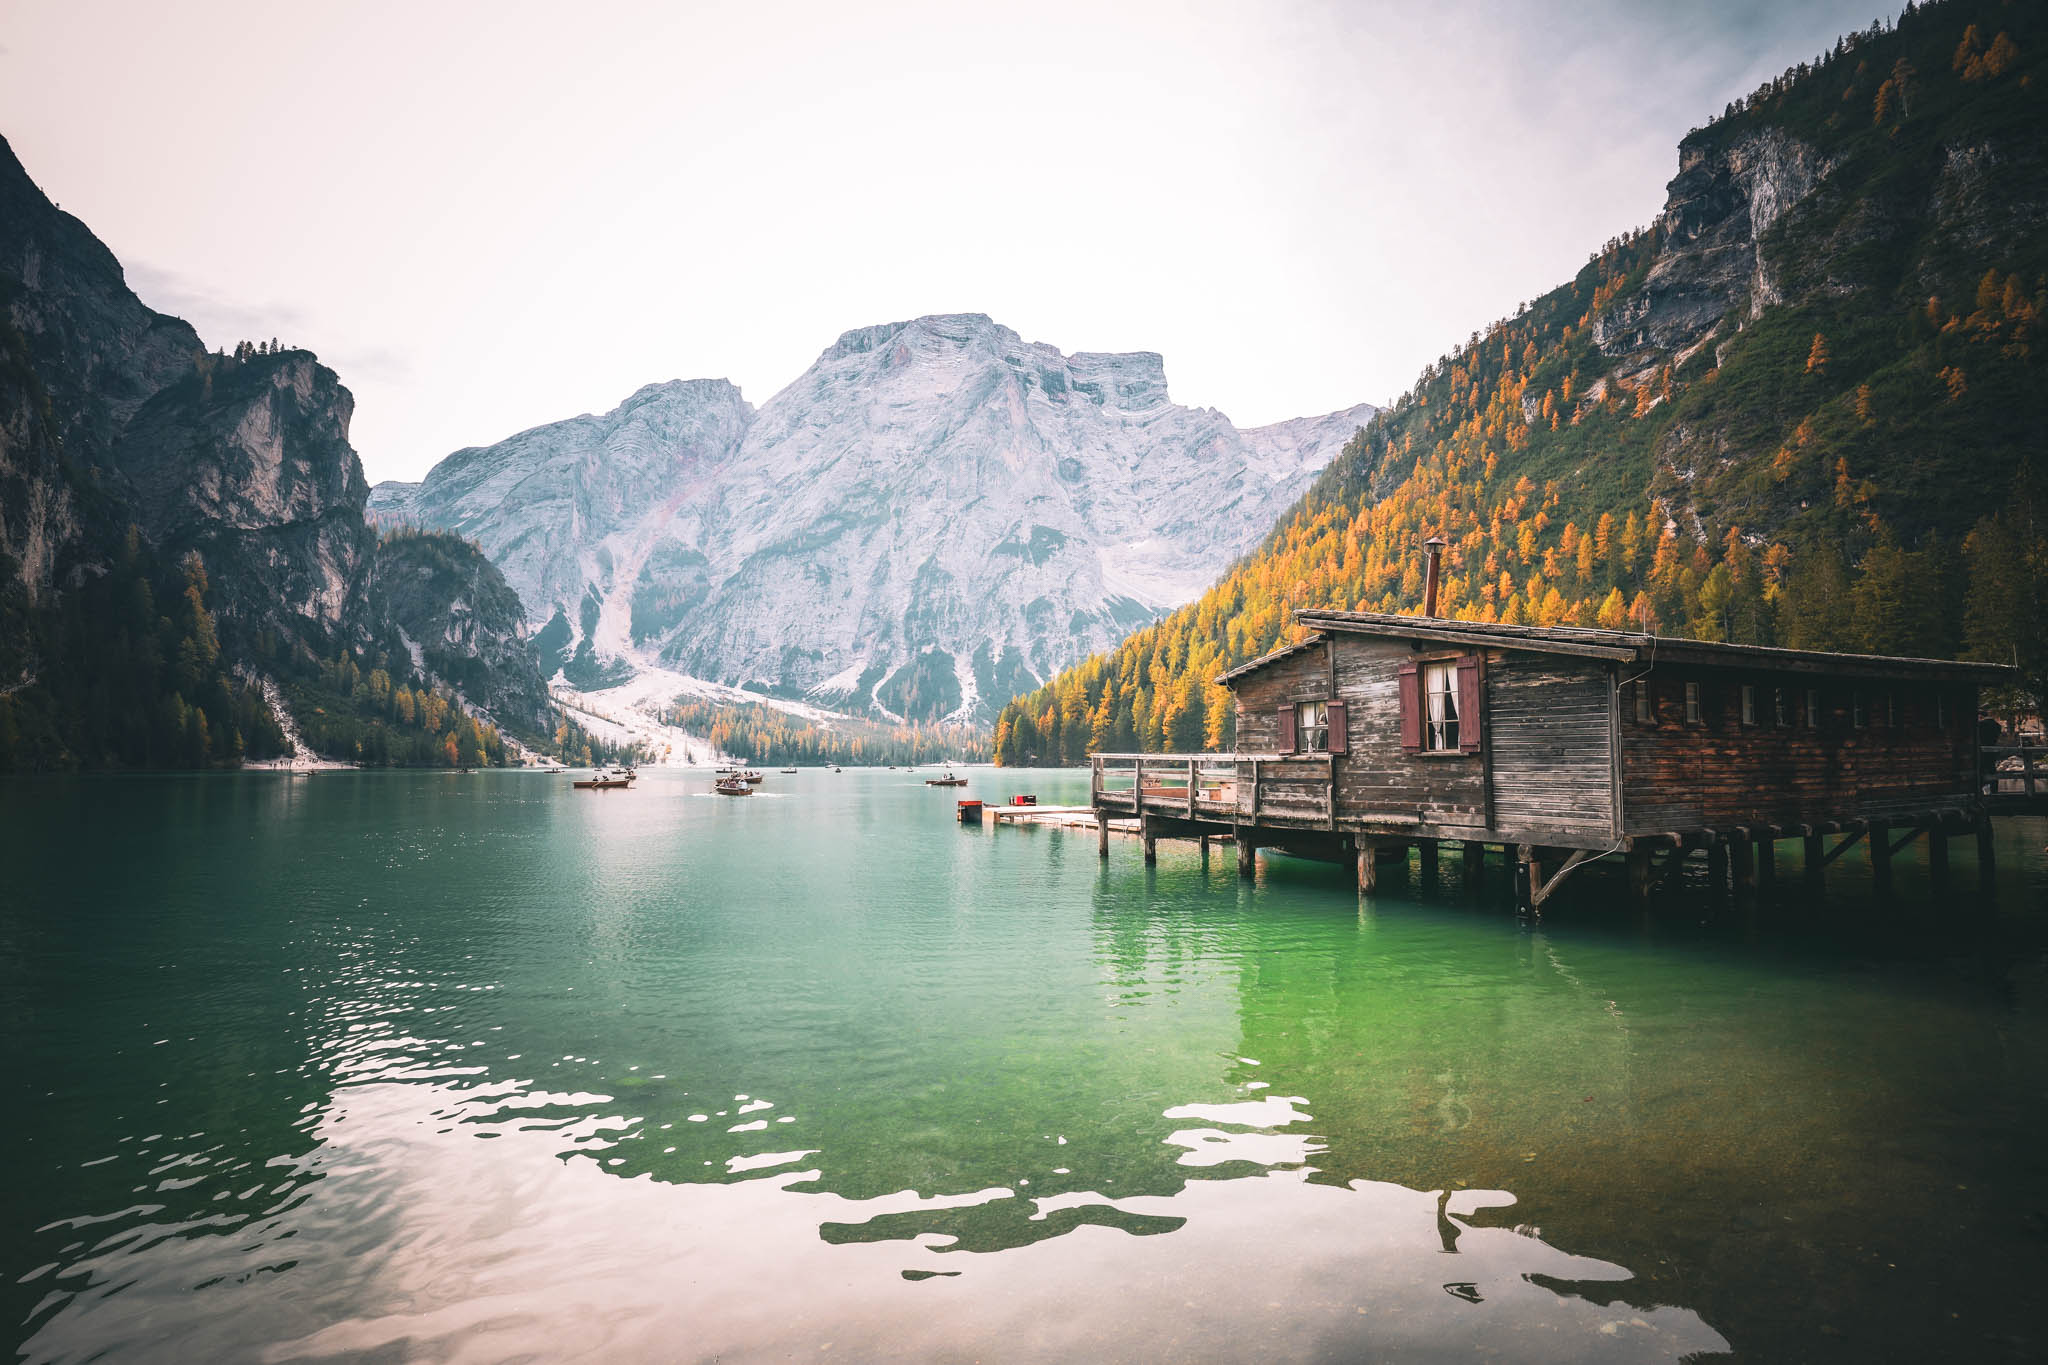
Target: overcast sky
<point>490,216</point>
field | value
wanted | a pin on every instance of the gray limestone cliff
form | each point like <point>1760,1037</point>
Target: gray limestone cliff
<point>933,517</point>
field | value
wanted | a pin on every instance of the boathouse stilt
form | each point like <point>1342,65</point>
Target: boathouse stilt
<point>1880,838</point>
<point>1717,866</point>
<point>1150,840</point>
<point>1742,853</point>
<point>1937,853</point>
<point>1368,868</point>
<point>1102,834</point>
<point>1639,875</point>
<point>1816,860</point>
<point>1428,873</point>
<point>1247,854</point>
<point>1767,861</point>
<point>1475,864</point>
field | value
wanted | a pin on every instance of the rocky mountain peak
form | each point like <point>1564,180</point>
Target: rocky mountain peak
<point>935,514</point>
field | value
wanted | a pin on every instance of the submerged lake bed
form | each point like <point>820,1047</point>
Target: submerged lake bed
<point>411,1065</point>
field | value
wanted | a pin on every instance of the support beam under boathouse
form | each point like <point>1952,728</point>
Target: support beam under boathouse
<point>1376,734</point>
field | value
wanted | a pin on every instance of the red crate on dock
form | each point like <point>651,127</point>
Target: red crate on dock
<point>1023,800</point>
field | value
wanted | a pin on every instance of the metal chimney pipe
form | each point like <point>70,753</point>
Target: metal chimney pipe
<point>1434,548</point>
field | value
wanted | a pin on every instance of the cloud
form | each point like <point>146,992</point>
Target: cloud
<point>220,317</point>
<point>378,363</point>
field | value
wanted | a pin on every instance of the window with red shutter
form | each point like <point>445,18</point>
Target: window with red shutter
<point>1469,730</point>
<point>1340,728</point>
<point>1411,709</point>
<point>1287,729</point>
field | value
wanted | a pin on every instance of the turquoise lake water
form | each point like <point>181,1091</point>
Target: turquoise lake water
<point>428,1066</point>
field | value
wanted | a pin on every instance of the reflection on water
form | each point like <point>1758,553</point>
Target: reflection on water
<point>407,1066</point>
<point>444,1250</point>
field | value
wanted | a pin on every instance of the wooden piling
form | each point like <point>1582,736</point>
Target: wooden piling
<point>1247,854</point>
<point>1717,867</point>
<point>1880,841</point>
<point>1528,876</point>
<point>1368,868</point>
<point>1427,847</point>
<point>1816,862</point>
<point>1639,874</point>
<point>1767,861</point>
<point>1151,840</point>
<point>1101,833</point>
<point>1474,854</point>
<point>1742,856</point>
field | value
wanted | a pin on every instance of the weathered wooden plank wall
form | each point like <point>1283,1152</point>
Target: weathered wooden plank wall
<point>1551,740</point>
<point>1718,772</point>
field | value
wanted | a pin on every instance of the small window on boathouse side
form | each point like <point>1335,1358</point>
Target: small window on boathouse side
<point>1858,717</point>
<point>1440,700</point>
<point>1749,703</point>
<point>1813,708</point>
<point>1692,703</point>
<point>1781,709</point>
<point>1312,727</point>
<point>1644,713</point>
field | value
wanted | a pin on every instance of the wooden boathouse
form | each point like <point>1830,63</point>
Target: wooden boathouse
<point>1377,734</point>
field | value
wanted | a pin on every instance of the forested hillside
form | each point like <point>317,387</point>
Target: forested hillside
<point>759,733</point>
<point>1808,406</point>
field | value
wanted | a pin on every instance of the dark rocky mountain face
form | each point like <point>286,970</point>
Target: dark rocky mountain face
<point>248,463</point>
<point>126,448</point>
<point>447,609</point>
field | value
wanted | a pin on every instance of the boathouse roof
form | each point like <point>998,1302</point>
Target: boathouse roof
<point>1622,646</point>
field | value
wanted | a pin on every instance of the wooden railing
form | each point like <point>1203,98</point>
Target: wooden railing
<point>1236,787</point>
<point>2014,770</point>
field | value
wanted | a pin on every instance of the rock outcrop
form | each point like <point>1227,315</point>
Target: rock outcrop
<point>1717,211</point>
<point>248,463</point>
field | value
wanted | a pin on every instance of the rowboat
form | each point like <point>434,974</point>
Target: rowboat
<point>732,786</point>
<point>603,781</point>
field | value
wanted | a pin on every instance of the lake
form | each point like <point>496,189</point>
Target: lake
<point>429,1066</point>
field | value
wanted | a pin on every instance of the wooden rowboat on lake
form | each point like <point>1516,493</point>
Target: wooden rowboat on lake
<point>603,781</point>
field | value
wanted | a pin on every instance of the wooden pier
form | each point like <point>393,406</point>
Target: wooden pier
<point>1379,736</point>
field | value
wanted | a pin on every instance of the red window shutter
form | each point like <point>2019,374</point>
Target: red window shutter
<point>1287,730</point>
<point>1468,704</point>
<point>1411,709</point>
<point>1340,732</point>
